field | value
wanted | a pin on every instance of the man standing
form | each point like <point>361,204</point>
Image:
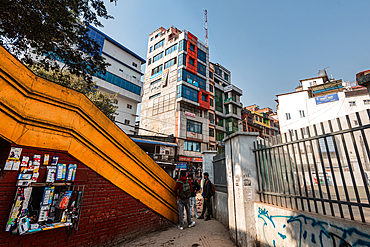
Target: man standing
<point>206,197</point>
<point>183,191</point>
<point>195,186</point>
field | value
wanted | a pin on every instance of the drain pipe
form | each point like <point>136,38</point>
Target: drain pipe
<point>232,174</point>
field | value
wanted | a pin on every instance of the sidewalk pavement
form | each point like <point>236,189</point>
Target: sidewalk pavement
<point>204,233</point>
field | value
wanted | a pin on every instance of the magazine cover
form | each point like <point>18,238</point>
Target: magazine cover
<point>15,153</point>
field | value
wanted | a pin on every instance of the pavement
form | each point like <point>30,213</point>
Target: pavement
<point>205,233</point>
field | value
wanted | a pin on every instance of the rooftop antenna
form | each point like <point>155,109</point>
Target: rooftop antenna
<point>205,26</point>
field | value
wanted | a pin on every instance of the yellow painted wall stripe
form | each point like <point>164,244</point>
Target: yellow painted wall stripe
<point>39,113</point>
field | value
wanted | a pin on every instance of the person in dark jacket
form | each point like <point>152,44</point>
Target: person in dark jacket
<point>183,202</point>
<point>206,197</point>
<point>196,188</point>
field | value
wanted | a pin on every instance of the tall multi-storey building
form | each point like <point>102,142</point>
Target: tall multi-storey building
<point>259,120</point>
<point>179,97</point>
<point>123,77</point>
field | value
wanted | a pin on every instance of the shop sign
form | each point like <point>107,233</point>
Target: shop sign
<point>182,158</point>
<point>190,114</point>
<point>228,88</point>
<point>326,98</point>
<point>181,166</point>
<point>198,159</point>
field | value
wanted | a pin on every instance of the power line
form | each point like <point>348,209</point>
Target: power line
<point>141,128</point>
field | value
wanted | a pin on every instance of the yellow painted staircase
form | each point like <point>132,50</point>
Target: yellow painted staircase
<point>39,113</point>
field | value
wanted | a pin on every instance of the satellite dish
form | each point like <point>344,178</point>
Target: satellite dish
<point>322,72</point>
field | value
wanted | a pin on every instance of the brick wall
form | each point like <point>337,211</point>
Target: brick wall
<point>109,216</point>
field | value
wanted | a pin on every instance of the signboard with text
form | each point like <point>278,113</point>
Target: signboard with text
<point>326,98</point>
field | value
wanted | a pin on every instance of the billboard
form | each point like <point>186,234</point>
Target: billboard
<point>326,98</point>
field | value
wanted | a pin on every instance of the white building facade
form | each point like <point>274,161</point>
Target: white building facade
<point>123,77</point>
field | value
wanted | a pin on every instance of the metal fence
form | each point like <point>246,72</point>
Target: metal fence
<point>322,168</point>
<point>219,170</point>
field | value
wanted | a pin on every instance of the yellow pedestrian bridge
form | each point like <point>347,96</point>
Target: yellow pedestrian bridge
<point>39,113</point>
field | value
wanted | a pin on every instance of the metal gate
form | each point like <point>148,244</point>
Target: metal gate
<point>323,168</point>
<point>219,170</point>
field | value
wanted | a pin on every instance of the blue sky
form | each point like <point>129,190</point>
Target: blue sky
<point>267,45</point>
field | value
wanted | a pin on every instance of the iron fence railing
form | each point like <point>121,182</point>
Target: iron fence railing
<point>219,170</point>
<point>322,168</point>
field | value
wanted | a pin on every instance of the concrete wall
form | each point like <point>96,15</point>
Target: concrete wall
<point>283,227</point>
<point>220,209</point>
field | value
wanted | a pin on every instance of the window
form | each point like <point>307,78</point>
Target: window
<point>151,49</point>
<point>211,118</point>
<point>211,132</point>
<point>355,122</point>
<point>220,122</point>
<point>191,146</point>
<point>182,58</point>
<point>366,101</point>
<point>211,88</point>
<point>184,75</point>
<point>235,110</point>
<point>210,75</point>
<point>191,61</point>
<point>120,82</point>
<point>301,113</point>
<point>134,77</point>
<point>151,39</point>
<point>211,102</point>
<point>193,126</point>
<point>233,97</point>
<point>187,93</point>
<point>201,55</point>
<point>149,61</point>
<point>287,115</point>
<point>159,44</point>
<point>218,70</point>
<point>204,97</point>
<point>227,109</point>
<point>191,47</point>
<point>219,136</point>
<point>219,104</point>
<point>154,82</point>
<point>157,57</point>
<point>134,64</point>
<point>170,63</point>
<point>201,69</point>
<point>129,106</point>
<point>171,49</point>
<point>352,103</point>
<point>127,121</point>
<point>226,77</point>
<point>157,70</point>
<point>154,96</point>
<point>182,45</point>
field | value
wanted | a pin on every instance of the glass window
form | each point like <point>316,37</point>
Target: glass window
<point>154,82</point>
<point>204,97</point>
<point>235,110</point>
<point>182,59</point>
<point>157,70</point>
<point>211,88</point>
<point>193,126</point>
<point>366,101</point>
<point>159,44</point>
<point>211,75</point>
<point>301,113</point>
<point>287,115</point>
<point>187,92</point>
<point>233,97</point>
<point>151,49</point>
<point>157,57</point>
<point>211,132</point>
<point>219,136</point>
<point>191,47</point>
<point>149,61</point>
<point>352,103</point>
<point>211,102</point>
<point>220,122</point>
<point>171,49</point>
<point>182,45</point>
<point>154,96</point>
<point>219,100</point>
<point>184,75</point>
<point>170,63</point>
<point>191,146</point>
<point>151,39</point>
<point>226,76</point>
<point>211,118</point>
<point>201,69</point>
<point>201,55</point>
<point>120,82</point>
<point>191,61</point>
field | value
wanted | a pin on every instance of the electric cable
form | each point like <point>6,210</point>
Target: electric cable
<point>142,128</point>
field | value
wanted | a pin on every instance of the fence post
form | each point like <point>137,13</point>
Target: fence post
<point>242,187</point>
<point>207,163</point>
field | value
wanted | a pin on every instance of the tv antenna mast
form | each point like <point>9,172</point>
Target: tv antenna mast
<point>205,26</point>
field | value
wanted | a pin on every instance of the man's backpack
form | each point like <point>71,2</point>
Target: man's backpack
<point>213,188</point>
<point>185,190</point>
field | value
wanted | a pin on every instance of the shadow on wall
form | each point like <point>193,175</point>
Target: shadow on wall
<point>302,230</point>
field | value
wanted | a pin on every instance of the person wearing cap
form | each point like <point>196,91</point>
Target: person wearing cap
<point>206,197</point>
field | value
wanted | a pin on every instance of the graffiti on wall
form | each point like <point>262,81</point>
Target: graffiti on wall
<point>278,230</point>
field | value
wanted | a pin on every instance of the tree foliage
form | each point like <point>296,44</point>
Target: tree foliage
<point>104,101</point>
<point>49,30</point>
